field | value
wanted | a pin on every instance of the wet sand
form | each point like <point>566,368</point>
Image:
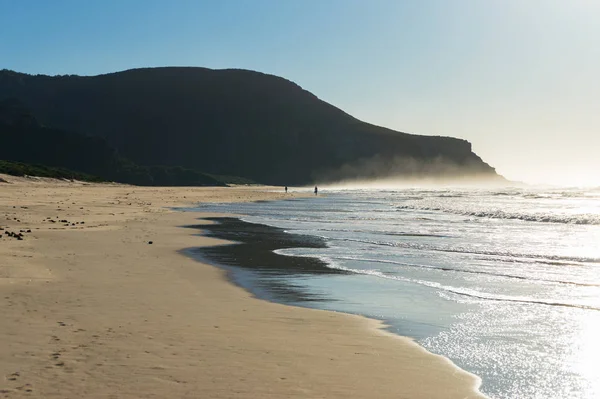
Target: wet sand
<point>99,300</point>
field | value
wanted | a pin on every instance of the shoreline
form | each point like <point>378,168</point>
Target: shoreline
<point>94,309</point>
<point>293,296</point>
<point>249,254</point>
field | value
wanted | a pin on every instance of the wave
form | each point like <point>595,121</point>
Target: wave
<point>583,219</point>
<point>381,232</point>
<point>454,195</point>
<point>450,269</point>
<point>466,291</point>
<point>507,256</point>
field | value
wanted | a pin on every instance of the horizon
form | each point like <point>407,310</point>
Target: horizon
<point>516,80</point>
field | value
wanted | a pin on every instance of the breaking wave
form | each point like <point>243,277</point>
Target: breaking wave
<point>583,219</point>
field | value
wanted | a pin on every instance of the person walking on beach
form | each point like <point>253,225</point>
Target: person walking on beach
<point>286,189</point>
<point>316,190</point>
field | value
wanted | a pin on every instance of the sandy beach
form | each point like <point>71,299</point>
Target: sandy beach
<point>98,301</point>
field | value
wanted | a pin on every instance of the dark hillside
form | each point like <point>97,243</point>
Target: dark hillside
<point>232,122</point>
<point>37,150</point>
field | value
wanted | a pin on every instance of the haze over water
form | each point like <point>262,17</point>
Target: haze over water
<point>504,282</point>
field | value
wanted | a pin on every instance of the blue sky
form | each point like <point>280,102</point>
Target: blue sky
<point>519,79</point>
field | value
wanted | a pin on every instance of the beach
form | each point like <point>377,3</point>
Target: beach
<point>99,300</point>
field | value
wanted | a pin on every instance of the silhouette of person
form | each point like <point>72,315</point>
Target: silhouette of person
<point>286,189</point>
<point>316,190</point>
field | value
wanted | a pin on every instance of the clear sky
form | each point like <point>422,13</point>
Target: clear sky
<point>520,79</point>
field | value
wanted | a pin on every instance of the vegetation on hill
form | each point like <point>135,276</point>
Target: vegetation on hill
<point>23,169</point>
<point>40,151</point>
<point>234,180</point>
<point>233,122</point>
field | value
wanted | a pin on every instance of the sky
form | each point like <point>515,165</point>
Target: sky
<point>519,79</point>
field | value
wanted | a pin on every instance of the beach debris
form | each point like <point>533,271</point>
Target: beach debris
<point>18,236</point>
<point>149,242</point>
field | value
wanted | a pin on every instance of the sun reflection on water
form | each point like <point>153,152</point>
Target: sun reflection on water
<point>584,358</point>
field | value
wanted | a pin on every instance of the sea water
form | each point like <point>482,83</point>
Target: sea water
<point>504,282</point>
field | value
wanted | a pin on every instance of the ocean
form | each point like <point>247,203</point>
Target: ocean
<point>505,282</point>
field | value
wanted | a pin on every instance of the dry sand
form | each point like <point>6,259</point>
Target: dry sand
<point>90,309</point>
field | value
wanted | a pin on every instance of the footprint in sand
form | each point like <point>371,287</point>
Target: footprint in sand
<point>26,388</point>
<point>13,376</point>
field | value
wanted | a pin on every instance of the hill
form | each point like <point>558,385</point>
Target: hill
<point>234,122</point>
<point>28,148</point>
